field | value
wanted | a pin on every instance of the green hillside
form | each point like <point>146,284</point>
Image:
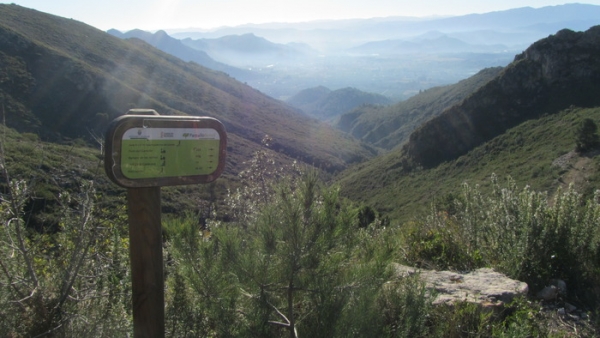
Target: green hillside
<point>388,127</point>
<point>473,138</point>
<point>539,153</point>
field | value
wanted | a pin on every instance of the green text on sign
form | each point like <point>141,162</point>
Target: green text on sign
<point>169,152</point>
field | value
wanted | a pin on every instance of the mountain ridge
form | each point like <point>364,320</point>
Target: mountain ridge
<point>343,57</point>
<point>245,49</point>
<point>76,79</point>
<point>551,75</point>
<point>503,127</point>
<point>164,42</point>
<point>388,127</point>
<point>353,32</point>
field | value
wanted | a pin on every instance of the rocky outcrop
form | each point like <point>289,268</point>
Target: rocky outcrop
<point>551,75</point>
<point>484,286</point>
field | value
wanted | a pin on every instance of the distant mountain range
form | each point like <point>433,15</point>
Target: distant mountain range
<point>175,47</point>
<point>515,28</point>
<point>248,49</point>
<point>437,45</point>
<point>392,56</point>
<point>238,56</point>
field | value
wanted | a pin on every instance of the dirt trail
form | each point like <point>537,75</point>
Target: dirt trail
<point>578,169</point>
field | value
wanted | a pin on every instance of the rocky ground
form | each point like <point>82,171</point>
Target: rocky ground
<point>492,290</point>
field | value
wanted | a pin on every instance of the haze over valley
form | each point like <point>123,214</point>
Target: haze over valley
<point>396,56</point>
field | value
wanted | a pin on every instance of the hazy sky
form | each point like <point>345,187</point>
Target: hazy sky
<point>169,14</point>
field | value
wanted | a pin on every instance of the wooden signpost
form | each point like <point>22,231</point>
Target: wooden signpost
<point>145,151</point>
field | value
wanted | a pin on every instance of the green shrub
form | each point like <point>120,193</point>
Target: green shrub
<point>521,319</point>
<point>404,307</point>
<point>462,320</point>
<point>520,232</point>
<point>68,283</point>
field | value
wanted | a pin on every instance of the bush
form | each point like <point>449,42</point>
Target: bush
<point>519,232</point>
<point>71,282</point>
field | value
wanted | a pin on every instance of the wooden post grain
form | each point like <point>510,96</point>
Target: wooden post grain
<point>145,252</point>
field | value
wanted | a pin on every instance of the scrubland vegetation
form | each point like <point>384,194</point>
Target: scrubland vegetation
<point>301,235</point>
<point>294,259</point>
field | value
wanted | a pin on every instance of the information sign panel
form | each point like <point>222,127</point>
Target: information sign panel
<point>145,151</point>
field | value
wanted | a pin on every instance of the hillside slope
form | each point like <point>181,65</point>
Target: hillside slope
<point>390,126</point>
<point>518,124</point>
<point>538,153</point>
<point>325,104</point>
<point>551,75</point>
<point>67,79</point>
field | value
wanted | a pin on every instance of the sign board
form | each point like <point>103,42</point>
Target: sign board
<point>155,151</point>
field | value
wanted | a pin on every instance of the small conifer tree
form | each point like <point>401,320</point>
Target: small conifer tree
<point>586,137</point>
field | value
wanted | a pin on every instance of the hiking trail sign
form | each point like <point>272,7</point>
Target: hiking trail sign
<point>154,150</point>
<point>145,151</point>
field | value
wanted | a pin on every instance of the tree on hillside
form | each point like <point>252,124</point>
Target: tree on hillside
<point>300,266</point>
<point>586,136</point>
<point>296,259</point>
<point>296,265</point>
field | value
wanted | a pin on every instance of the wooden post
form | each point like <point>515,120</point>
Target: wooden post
<point>164,163</point>
<point>145,253</point>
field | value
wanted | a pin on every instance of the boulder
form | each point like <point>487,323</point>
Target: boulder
<point>484,286</point>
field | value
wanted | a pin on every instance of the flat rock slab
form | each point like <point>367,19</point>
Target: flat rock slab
<point>484,286</point>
